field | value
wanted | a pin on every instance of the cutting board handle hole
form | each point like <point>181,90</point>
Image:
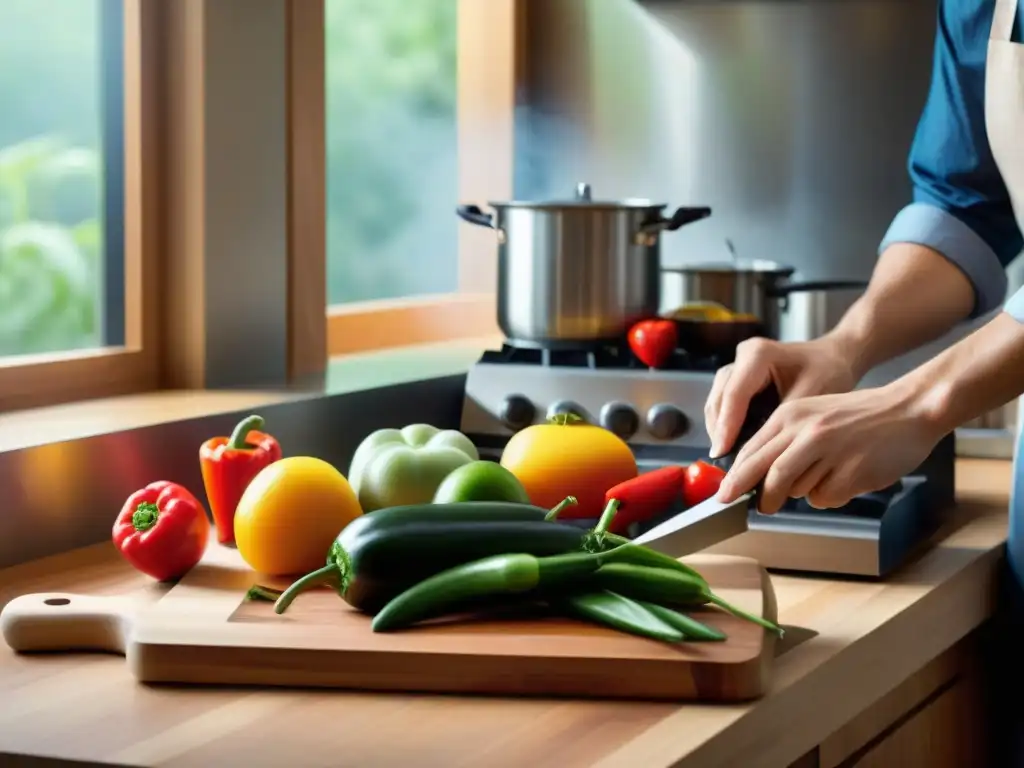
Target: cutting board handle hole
<point>56,601</point>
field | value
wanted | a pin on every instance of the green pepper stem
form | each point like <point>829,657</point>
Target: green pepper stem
<point>145,516</point>
<point>568,501</point>
<point>565,419</point>
<point>606,517</point>
<point>237,440</point>
<point>312,579</point>
<point>568,567</point>
<point>259,592</point>
<point>713,598</point>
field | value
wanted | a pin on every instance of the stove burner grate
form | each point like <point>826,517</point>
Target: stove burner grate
<point>609,356</point>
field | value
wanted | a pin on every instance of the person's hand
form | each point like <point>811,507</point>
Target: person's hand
<point>800,369</point>
<point>832,448</point>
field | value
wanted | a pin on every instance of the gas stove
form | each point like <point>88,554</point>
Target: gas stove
<point>660,414</point>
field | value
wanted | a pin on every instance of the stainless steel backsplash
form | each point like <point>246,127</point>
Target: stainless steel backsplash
<point>791,119</point>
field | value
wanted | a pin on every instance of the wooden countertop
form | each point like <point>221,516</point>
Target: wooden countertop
<point>849,643</point>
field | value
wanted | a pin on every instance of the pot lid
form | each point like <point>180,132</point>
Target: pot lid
<point>581,199</point>
<point>760,266</point>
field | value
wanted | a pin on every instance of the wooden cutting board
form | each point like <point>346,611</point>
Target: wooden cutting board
<point>205,631</point>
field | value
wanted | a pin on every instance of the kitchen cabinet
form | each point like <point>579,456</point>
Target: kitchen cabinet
<point>934,719</point>
<point>935,737</point>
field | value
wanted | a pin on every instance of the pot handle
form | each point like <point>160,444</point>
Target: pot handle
<point>678,219</point>
<point>474,215</point>
<point>784,289</point>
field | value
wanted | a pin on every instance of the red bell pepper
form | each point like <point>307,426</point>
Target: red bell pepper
<point>229,464</point>
<point>701,482</point>
<point>645,496</point>
<point>653,341</point>
<point>162,530</point>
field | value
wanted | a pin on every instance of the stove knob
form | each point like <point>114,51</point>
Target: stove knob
<point>517,412</point>
<point>666,422</point>
<point>566,406</point>
<point>620,419</point>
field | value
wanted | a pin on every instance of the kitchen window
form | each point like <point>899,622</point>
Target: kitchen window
<point>186,197</point>
<point>71,201</point>
<point>418,117</point>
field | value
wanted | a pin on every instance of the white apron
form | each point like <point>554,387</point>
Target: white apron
<point>1004,122</point>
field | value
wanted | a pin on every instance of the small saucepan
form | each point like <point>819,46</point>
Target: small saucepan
<point>707,330</point>
<point>757,289</point>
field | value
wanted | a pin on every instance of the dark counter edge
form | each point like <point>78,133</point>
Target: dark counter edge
<point>62,496</point>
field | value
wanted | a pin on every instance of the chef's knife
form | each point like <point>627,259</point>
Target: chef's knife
<point>711,521</point>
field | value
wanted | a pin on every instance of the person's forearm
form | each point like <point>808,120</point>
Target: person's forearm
<point>981,372</point>
<point>915,296</point>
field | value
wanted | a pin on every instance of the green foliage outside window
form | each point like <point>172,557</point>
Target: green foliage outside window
<point>391,148</point>
<point>50,176</point>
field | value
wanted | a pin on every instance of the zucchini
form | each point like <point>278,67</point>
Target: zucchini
<point>376,567</point>
<point>454,512</point>
<point>379,556</point>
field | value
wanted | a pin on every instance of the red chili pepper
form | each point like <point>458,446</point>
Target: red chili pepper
<point>653,341</point>
<point>229,464</point>
<point>701,482</point>
<point>162,530</point>
<point>645,496</point>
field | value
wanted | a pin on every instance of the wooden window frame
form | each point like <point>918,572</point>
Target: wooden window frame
<point>490,75</point>
<point>33,380</point>
<point>178,242</point>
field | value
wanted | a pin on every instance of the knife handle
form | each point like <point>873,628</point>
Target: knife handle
<point>759,410</point>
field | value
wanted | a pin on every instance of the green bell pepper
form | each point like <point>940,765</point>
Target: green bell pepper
<point>393,467</point>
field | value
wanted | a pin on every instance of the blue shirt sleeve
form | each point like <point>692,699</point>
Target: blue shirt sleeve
<point>960,205</point>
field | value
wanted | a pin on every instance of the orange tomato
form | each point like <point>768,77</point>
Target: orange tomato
<point>290,515</point>
<point>553,461</point>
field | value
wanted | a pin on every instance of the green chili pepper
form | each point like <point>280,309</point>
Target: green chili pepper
<point>514,574</point>
<point>600,541</point>
<point>650,584</point>
<point>638,554</point>
<point>617,612</point>
<point>660,585</point>
<point>690,627</point>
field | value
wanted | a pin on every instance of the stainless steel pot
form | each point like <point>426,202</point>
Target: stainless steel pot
<point>577,271</point>
<point>759,288</point>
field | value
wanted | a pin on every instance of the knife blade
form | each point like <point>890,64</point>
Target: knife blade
<point>711,521</point>
<point>699,527</point>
